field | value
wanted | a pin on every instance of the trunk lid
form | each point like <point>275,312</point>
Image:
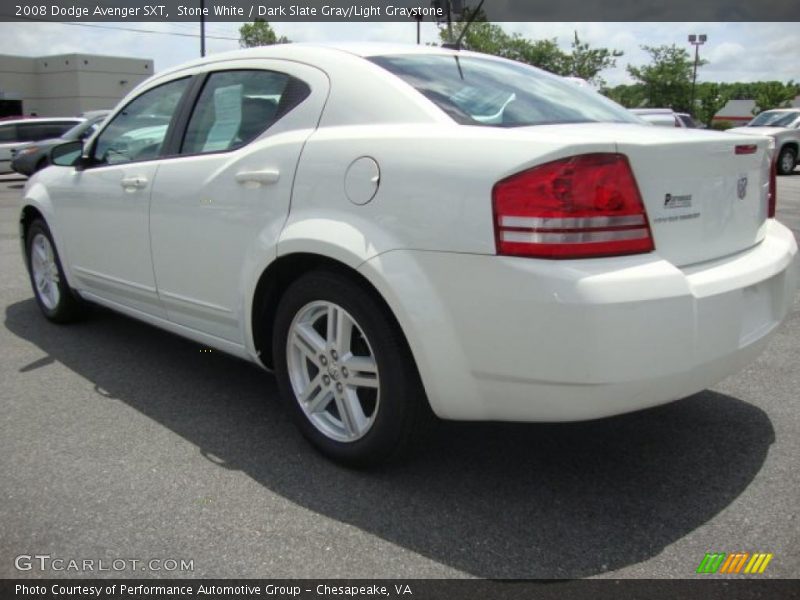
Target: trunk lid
<point>703,200</point>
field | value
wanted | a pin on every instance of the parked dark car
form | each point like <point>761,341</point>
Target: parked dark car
<point>16,132</point>
<point>26,159</point>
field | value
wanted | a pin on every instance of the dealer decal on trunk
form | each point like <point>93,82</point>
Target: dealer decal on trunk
<point>671,201</point>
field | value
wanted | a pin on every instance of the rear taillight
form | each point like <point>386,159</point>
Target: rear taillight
<point>579,207</point>
<point>772,197</point>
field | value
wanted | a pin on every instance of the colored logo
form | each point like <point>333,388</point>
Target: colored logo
<point>735,563</point>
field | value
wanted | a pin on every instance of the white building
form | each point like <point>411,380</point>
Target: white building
<point>66,84</point>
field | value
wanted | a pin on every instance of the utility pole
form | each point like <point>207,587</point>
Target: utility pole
<point>696,41</point>
<point>417,16</point>
<point>202,27</point>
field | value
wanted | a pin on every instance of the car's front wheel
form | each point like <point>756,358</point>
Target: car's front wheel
<point>344,370</point>
<point>787,160</point>
<point>57,301</point>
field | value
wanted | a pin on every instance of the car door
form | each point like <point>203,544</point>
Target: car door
<point>103,209</point>
<point>220,205</point>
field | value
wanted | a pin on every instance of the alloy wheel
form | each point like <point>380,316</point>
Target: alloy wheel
<point>333,371</point>
<point>45,271</point>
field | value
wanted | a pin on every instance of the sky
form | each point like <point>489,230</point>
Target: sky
<point>735,51</point>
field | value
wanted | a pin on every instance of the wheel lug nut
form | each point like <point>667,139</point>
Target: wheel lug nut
<point>339,387</point>
<point>323,360</point>
<point>326,380</point>
<point>345,373</point>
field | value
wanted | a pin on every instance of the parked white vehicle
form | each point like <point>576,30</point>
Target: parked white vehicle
<point>666,117</point>
<point>783,125</point>
<point>392,228</point>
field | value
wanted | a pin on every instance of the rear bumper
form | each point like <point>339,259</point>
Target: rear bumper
<point>499,338</point>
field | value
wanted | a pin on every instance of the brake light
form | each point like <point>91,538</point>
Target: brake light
<point>578,207</point>
<point>772,196</point>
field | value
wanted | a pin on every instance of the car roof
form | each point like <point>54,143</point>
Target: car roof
<point>315,51</point>
<point>41,120</point>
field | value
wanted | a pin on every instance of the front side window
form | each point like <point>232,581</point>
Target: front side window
<point>479,91</point>
<point>139,130</point>
<point>235,107</point>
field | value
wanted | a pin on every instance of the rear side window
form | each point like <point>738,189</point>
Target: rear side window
<point>36,131</point>
<point>235,107</point>
<point>8,133</point>
<point>478,91</point>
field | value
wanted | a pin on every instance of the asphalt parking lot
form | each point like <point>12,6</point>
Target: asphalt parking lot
<point>120,441</point>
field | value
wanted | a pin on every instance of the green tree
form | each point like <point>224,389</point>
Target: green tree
<point>490,38</point>
<point>629,96</point>
<point>587,62</point>
<point>667,80</point>
<point>773,94</point>
<point>259,33</point>
<point>711,97</point>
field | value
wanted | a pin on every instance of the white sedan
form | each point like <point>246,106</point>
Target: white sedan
<point>402,230</point>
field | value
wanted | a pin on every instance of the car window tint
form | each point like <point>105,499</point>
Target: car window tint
<point>36,131</point>
<point>235,107</point>
<point>478,91</point>
<point>773,119</point>
<point>138,131</point>
<point>8,133</point>
<point>81,130</point>
<point>59,128</point>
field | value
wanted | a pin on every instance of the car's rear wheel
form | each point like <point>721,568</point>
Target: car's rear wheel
<point>787,160</point>
<point>344,370</point>
<point>57,301</point>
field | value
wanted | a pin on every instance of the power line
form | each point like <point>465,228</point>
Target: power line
<point>131,29</point>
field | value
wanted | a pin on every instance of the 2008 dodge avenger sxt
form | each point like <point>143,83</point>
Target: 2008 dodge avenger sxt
<point>397,229</point>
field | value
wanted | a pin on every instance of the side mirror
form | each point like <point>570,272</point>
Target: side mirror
<point>67,155</point>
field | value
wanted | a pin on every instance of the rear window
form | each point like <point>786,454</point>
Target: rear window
<point>478,91</point>
<point>774,119</point>
<point>8,133</point>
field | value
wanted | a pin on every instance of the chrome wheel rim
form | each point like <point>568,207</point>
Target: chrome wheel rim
<point>333,371</point>
<point>45,271</point>
<point>787,162</point>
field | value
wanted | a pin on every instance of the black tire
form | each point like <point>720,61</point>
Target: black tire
<point>69,307</point>
<point>402,412</point>
<point>786,164</point>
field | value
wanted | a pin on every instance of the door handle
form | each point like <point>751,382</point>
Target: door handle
<point>136,182</point>
<point>258,177</point>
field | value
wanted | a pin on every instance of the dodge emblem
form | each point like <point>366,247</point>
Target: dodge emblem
<point>741,187</point>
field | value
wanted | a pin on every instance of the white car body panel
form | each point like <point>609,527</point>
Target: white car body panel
<point>493,337</point>
<point>562,344</point>
<point>236,219</point>
<point>104,225</point>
